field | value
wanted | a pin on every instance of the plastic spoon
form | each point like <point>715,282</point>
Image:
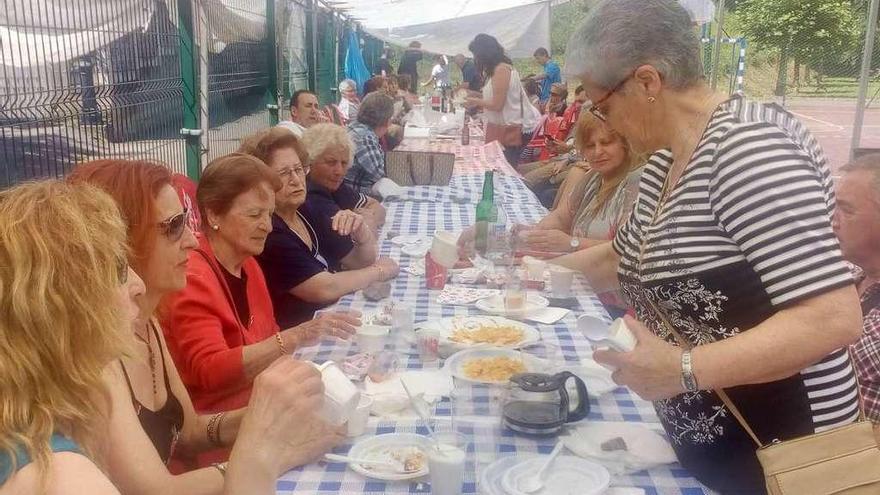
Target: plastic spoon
<point>536,481</point>
<point>422,415</point>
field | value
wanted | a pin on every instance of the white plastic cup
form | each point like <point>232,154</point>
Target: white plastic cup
<point>534,268</point>
<point>444,249</point>
<point>447,464</point>
<point>617,336</point>
<point>561,279</point>
<point>340,395</point>
<point>371,338</point>
<point>357,421</point>
<point>402,318</point>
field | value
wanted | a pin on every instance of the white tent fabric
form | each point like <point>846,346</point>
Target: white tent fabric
<point>448,26</point>
<point>520,30</point>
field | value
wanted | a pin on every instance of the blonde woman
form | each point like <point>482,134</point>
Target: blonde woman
<point>66,293</point>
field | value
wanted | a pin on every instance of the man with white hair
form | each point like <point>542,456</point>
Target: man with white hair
<point>857,225</point>
<point>348,101</point>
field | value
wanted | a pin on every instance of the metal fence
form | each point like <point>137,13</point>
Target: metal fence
<point>178,81</point>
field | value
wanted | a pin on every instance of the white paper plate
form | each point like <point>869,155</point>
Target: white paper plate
<point>568,475</point>
<point>454,365</point>
<point>596,378</point>
<point>403,240</point>
<point>445,327</point>
<point>495,305</point>
<point>417,250</point>
<point>380,447</point>
<point>490,479</point>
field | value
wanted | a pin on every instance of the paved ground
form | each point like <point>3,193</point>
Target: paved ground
<point>831,121</point>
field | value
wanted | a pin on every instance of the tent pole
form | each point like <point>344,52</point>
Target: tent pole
<point>716,56</point>
<point>870,31</point>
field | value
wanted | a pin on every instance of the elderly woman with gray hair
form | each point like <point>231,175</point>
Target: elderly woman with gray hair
<point>348,101</point>
<point>331,151</point>
<point>373,122</point>
<point>728,258</point>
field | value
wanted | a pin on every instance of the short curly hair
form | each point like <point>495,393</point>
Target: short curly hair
<point>322,137</point>
<point>376,110</point>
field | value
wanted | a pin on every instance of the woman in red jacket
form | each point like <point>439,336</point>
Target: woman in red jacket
<point>220,329</point>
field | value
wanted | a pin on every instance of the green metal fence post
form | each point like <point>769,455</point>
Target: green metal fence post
<point>188,61</point>
<point>272,49</point>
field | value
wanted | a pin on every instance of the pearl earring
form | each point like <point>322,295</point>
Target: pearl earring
<point>215,227</point>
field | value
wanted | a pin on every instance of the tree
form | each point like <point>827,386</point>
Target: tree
<point>816,33</point>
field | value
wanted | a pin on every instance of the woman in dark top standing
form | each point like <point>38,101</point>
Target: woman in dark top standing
<point>409,65</point>
<point>730,240</point>
<point>315,252</point>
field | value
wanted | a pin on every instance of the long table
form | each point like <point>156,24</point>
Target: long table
<point>472,411</point>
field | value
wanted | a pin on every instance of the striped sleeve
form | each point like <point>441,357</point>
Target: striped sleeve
<point>771,200</point>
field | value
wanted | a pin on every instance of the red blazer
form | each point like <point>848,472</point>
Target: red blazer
<point>205,337</point>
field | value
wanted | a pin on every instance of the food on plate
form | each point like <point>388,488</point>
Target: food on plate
<point>413,459</point>
<point>493,369</point>
<point>503,335</point>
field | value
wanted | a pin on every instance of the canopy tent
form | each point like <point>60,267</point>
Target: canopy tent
<point>448,26</point>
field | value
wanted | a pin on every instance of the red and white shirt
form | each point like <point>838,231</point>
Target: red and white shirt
<point>866,352</point>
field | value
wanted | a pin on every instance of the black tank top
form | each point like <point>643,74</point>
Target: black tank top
<point>162,426</point>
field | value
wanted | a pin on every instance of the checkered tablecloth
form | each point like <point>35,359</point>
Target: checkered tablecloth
<point>473,410</point>
<point>473,158</point>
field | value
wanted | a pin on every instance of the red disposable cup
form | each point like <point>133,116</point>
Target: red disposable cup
<point>435,274</point>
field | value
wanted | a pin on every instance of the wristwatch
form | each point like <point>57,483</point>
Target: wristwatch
<point>688,380</point>
<point>575,243</point>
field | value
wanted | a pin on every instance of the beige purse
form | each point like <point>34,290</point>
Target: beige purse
<point>844,460</point>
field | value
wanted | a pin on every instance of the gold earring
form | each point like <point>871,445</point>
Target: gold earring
<point>651,99</point>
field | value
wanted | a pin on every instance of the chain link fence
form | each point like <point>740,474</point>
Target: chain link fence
<point>177,81</point>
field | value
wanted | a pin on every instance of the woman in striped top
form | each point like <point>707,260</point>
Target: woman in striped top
<point>730,239</point>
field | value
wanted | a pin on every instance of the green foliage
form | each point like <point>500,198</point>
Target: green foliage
<point>564,19</point>
<point>823,34</point>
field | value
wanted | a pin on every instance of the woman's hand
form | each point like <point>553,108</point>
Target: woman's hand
<point>349,223</point>
<point>386,268</point>
<point>474,102</point>
<point>555,241</point>
<point>282,428</point>
<point>652,370</point>
<point>340,324</point>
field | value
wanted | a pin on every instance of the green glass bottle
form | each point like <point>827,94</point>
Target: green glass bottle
<point>487,214</point>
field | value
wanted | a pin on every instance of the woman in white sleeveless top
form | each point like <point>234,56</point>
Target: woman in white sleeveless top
<point>503,102</point>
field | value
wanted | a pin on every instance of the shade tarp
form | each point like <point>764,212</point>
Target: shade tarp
<point>448,26</point>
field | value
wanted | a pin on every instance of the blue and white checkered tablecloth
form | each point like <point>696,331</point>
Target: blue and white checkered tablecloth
<point>472,405</point>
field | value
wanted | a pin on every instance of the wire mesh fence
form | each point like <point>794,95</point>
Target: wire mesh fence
<point>176,81</point>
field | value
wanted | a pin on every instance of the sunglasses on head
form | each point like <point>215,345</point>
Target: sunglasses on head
<point>173,227</point>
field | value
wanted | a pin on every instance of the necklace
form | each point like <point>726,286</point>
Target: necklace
<point>151,354</point>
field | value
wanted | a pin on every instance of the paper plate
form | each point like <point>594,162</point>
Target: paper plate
<point>383,448</point>
<point>454,365</point>
<point>597,379</point>
<point>568,475</point>
<point>490,479</point>
<point>445,328</point>
<point>417,250</point>
<point>403,240</point>
<point>495,305</point>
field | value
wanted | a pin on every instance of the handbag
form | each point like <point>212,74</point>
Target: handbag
<point>509,136</point>
<point>841,461</point>
<point>419,168</point>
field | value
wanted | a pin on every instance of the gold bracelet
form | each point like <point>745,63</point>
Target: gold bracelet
<point>221,466</point>
<point>281,343</point>
<point>214,429</point>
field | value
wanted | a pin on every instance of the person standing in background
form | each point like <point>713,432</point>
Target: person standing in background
<point>439,74</point>
<point>409,63</point>
<point>385,68</point>
<point>470,78</point>
<point>551,74</point>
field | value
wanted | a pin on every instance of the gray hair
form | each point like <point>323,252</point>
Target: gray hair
<point>325,136</point>
<point>376,110</point>
<point>346,84</point>
<point>620,35</point>
<point>869,163</point>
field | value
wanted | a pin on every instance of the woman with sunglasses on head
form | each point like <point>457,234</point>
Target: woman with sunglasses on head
<point>221,329</point>
<point>729,258</point>
<point>59,423</point>
<point>152,405</point>
<point>316,252</point>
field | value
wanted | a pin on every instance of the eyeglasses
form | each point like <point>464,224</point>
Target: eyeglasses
<point>594,108</point>
<point>173,227</point>
<point>287,172</point>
